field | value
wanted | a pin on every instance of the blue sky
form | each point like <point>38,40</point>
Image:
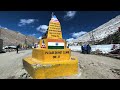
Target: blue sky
<point>73,23</point>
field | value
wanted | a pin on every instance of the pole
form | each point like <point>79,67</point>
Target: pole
<point>93,38</point>
<point>52,14</point>
<point>33,41</point>
<point>26,42</point>
<point>16,38</point>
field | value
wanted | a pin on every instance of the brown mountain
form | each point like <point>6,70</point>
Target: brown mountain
<point>11,37</point>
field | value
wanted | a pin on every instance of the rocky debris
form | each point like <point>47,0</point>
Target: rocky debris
<point>115,51</point>
<point>97,52</point>
<point>116,72</point>
<point>11,77</point>
<point>117,56</point>
<point>25,76</point>
<point>92,64</point>
<point>23,68</point>
<point>113,54</point>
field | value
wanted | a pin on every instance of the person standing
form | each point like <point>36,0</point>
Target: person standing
<point>88,49</point>
<point>67,45</point>
<point>82,49</point>
<point>85,48</point>
<point>17,48</point>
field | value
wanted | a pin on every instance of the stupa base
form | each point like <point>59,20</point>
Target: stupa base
<point>46,70</point>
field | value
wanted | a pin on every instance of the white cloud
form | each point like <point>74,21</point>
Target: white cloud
<point>3,27</point>
<point>32,34</point>
<point>70,39</point>
<point>40,37</point>
<point>42,28</point>
<point>25,22</point>
<point>69,15</point>
<point>78,34</point>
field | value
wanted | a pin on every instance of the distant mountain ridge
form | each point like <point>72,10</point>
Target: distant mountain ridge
<point>11,37</point>
<point>101,32</point>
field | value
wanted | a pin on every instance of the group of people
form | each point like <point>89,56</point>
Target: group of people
<point>86,49</point>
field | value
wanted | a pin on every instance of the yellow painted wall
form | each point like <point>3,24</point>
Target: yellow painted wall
<point>47,55</point>
<point>42,70</point>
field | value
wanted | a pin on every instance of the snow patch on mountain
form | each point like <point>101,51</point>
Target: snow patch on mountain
<point>102,31</point>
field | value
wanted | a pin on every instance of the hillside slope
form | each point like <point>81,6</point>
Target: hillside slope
<point>102,31</point>
<point>11,37</point>
<point>111,39</point>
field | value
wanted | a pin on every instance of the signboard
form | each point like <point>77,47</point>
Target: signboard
<point>58,55</point>
<point>54,30</point>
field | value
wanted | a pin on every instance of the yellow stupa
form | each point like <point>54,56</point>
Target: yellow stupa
<point>52,59</point>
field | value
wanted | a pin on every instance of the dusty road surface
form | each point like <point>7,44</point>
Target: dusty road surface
<point>11,64</point>
<point>90,66</point>
<point>97,67</point>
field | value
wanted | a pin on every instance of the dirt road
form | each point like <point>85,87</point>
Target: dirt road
<point>98,67</point>
<point>11,64</point>
<point>90,66</point>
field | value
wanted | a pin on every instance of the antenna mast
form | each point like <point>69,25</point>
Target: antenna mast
<point>52,14</point>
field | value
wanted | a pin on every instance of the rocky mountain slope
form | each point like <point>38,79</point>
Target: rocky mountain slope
<point>11,37</point>
<point>102,31</point>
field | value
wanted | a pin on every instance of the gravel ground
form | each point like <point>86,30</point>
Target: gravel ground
<point>90,66</point>
<point>11,66</point>
<point>98,67</point>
